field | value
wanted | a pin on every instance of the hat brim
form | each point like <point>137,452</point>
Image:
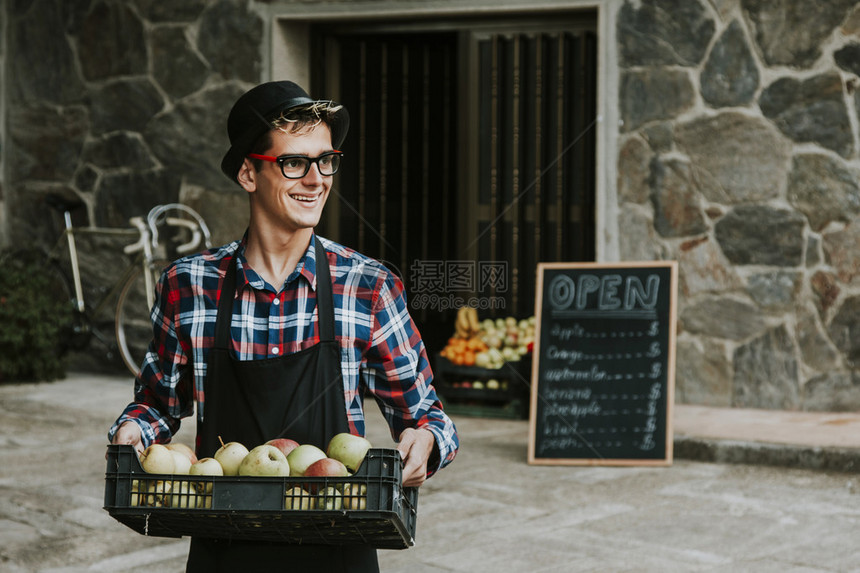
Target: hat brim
<point>235,156</point>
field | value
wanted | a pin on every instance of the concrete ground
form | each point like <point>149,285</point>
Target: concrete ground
<point>791,505</point>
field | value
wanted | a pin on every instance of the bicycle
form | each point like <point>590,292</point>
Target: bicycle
<point>134,290</point>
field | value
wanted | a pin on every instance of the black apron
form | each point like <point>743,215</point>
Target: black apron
<point>297,396</point>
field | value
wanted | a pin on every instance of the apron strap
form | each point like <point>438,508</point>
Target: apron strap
<point>225,306</point>
<point>325,297</point>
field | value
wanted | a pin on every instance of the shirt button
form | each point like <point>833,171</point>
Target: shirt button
<point>276,302</point>
<point>275,350</point>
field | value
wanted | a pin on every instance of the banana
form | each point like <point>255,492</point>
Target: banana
<point>474,324</point>
<point>467,324</point>
<point>462,320</point>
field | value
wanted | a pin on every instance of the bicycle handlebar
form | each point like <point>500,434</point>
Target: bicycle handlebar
<point>196,233</point>
<point>148,240</point>
<point>198,226</point>
<point>142,241</point>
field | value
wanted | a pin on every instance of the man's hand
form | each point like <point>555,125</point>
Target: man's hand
<point>415,448</point>
<point>129,433</point>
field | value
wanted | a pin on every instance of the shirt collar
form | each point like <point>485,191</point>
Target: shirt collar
<point>306,268</point>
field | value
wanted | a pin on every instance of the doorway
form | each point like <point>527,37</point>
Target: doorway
<point>470,156</point>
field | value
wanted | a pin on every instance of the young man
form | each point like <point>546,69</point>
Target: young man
<point>281,333</point>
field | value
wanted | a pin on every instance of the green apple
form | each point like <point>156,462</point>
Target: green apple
<point>297,498</point>
<point>330,499</point>
<point>265,460</point>
<point>355,496</point>
<point>157,493</point>
<point>157,459</point>
<point>180,447</point>
<point>349,449</point>
<point>138,490</point>
<point>302,457</point>
<point>206,467</point>
<point>230,455</point>
<point>183,495</point>
<point>182,463</point>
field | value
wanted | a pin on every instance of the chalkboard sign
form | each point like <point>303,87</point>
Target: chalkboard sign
<point>603,369</point>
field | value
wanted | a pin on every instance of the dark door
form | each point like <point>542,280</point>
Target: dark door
<point>470,158</point>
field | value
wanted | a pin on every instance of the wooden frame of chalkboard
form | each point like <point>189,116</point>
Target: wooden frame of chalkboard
<point>603,368</point>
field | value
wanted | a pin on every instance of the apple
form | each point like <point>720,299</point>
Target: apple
<point>355,496</point>
<point>330,498</point>
<point>183,495</point>
<point>349,449</point>
<point>177,447</point>
<point>286,445</point>
<point>230,455</point>
<point>182,463</point>
<point>137,491</point>
<point>297,498</point>
<point>157,459</point>
<point>326,467</point>
<point>302,457</point>
<point>157,493</point>
<point>206,467</point>
<point>265,460</point>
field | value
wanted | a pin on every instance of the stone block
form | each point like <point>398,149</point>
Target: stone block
<point>833,392</point>
<point>677,204</point>
<point>722,317</point>
<point>842,252</point>
<point>730,77</point>
<point>703,268</point>
<point>663,32</point>
<point>654,94</point>
<point>762,235</point>
<point>736,158</point>
<point>810,110</point>
<point>703,373</point>
<point>766,372</point>
<point>789,33</point>
<point>845,330</point>
<point>111,42</point>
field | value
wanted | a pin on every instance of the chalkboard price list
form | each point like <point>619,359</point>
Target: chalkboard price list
<point>603,364</point>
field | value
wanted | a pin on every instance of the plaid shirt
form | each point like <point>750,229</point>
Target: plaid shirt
<point>381,349</point>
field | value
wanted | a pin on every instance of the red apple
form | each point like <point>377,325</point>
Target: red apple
<point>286,445</point>
<point>326,467</point>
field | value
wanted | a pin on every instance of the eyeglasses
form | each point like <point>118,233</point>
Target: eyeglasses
<point>297,166</point>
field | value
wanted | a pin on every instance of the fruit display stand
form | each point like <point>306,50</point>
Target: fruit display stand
<point>370,507</point>
<point>470,391</point>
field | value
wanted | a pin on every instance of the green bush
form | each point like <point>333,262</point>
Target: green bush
<point>35,318</point>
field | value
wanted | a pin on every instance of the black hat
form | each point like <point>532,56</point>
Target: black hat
<point>253,112</point>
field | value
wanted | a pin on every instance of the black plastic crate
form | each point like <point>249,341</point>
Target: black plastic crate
<point>369,508</point>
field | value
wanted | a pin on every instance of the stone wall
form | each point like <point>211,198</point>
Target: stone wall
<point>123,104</point>
<point>739,158</point>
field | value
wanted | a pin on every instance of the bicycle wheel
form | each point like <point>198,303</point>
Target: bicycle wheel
<point>133,325</point>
